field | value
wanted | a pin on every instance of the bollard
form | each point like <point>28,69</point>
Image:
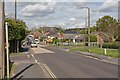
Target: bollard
<point>105,51</point>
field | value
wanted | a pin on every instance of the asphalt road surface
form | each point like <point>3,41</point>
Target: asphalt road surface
<point>49,62</point>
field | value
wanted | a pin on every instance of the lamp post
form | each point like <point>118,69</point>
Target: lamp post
<point>88,25</point>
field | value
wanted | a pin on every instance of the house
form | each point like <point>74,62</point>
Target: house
<point>74,37</point>
<point>37,35</point>
<point>103,36</point>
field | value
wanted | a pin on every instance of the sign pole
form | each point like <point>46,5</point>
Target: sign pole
<point>7,50</point>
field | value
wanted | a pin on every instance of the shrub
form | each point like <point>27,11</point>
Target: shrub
<point>111,45</point>
<point>92,39</point>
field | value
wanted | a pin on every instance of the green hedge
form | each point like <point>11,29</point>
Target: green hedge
<point>111,45</point>
<point>92,39</point>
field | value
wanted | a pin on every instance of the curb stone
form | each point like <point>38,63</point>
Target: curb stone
<point>100,57</point>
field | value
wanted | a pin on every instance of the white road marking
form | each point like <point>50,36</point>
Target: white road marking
<point>34,58</point>
<point>50,72</point>
<point>28,56</point>
<point>36,61</point>
<point>41,50</point>
<point>46,67</point>
<point>32,55</point>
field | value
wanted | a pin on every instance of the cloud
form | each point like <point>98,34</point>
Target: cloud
<point>56,0</point>
<point>108,6</point>
<point>39,9</point>
<point>72,19</point>
<point>66,14</point>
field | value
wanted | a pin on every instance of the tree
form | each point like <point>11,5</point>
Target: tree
<point>16,30</point>
<point>108,25</point>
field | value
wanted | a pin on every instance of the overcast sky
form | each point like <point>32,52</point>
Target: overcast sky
<point>66,13</point>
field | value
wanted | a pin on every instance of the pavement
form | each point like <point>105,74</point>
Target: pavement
<point>27,67</point>
<point>52,62</point>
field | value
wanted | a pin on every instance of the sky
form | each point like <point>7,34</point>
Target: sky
<point>63,13</point>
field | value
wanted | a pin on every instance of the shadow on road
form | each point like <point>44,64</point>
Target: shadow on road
<point>16,76</point>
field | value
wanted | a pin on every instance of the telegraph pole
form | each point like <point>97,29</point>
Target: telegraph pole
<point>88,28</point>
<point>15,10</point>
<point>85,30</point>
<point>15,17</point>
<point>88,9</point>
<point>2,56</point>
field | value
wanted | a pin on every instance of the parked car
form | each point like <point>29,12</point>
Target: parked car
<point>33,44</point>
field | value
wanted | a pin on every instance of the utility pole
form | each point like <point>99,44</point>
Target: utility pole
<point>88,28</point>
<point>2,56</point>
<point>15,10</point>
<point>15,17</point>
<point>85,30</point>
<point>7,50</point>
<point>88,9</point>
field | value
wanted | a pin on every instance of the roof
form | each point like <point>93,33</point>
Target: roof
<point>74,36</point>
<point>69,36</point>
<point>81,37</point>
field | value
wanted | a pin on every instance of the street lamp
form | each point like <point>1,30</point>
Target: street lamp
<point>88,25</point>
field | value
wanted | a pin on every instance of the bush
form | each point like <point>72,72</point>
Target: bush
<point>111,45</point>
<point>92,39</point>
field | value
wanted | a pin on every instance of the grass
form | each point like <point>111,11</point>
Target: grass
<point>11,69</point>
<point>11,65</point>
<point>110,52</point>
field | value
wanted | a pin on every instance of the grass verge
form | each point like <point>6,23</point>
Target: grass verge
<point>109,52</point>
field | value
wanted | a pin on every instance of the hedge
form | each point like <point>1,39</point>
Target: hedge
<point>92,39</point>
<point>111,45</point>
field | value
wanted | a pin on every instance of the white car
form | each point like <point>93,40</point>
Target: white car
<point>33,44</point>
<point>37,41</point>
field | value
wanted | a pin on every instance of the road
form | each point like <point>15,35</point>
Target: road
<point>49,62</point>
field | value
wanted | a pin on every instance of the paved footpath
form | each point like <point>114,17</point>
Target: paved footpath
<point>27,67</point>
